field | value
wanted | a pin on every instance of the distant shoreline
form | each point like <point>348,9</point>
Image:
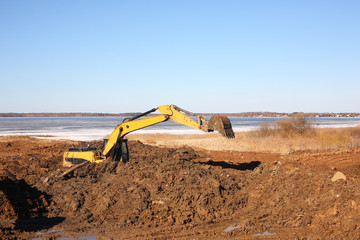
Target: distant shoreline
<point>125,115</point>
<point>65,117</point>
<point>202,115</point>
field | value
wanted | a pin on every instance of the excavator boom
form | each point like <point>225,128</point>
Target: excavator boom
<point>116,144</point>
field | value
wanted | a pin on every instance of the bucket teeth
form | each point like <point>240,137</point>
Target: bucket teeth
<point>221,124</point>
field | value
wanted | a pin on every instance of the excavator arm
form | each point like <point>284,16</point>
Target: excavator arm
<point>116,145</point>
<point>130,126</point>
<point>181,116</point>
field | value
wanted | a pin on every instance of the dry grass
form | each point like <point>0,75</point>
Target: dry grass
<point>329,139</point>
<point>296,125</point>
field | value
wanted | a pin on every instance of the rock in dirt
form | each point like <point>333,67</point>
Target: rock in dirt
<point>338,176</point>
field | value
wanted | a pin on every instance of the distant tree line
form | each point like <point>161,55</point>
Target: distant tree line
<point>243,114</point>
<point>277,114</point>
<point>67,114</point>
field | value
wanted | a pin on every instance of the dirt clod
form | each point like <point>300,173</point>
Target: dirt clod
<point>338,176</point>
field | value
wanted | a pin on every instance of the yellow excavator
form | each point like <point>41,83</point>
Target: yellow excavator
<point>116,146</point>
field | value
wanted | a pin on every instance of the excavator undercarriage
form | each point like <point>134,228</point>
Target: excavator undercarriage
<point>116,146</point>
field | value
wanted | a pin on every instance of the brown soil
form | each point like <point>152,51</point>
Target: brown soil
<point>177,193</point>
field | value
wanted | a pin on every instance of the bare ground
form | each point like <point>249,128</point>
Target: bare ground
<point>178,192</point>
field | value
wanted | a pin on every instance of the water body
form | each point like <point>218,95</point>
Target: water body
<point>266,233</point>
<point>88,129</point>
<point>228,229</point>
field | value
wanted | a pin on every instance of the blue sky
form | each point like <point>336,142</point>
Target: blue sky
<point>205,56</point>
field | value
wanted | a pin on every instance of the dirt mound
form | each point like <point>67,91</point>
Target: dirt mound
<point>179,192</point>
<point>157,187</point>
<point>31,158</point>
<point>163,187</point>
<point>18,200</point>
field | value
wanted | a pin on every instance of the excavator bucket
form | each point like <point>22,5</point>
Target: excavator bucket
<point>221,124</point>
